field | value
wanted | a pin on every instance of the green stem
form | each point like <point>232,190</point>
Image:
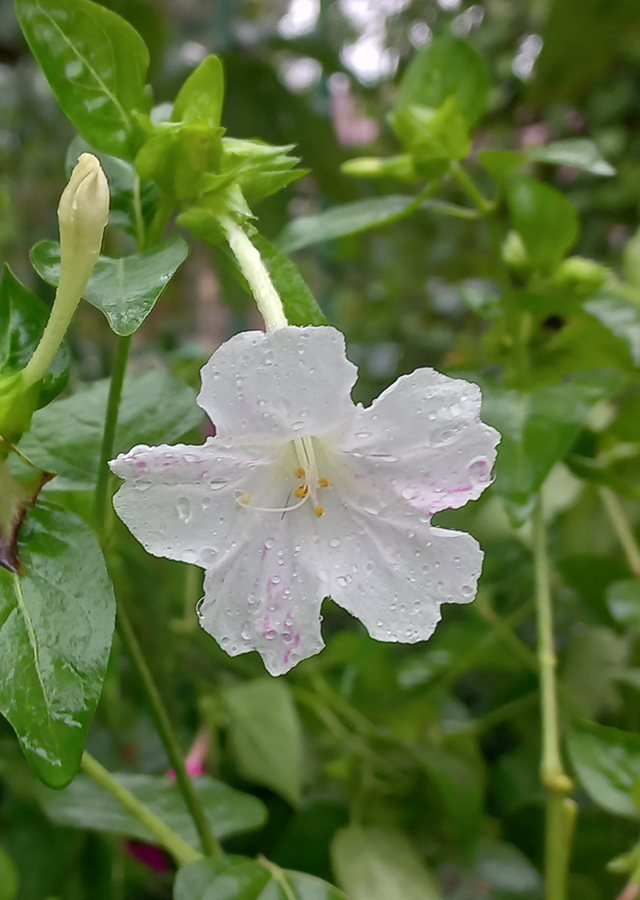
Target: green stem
<point>210,845</point>
<point>101,497</point>
<point>622,528</point>
<point>182,852</point>
<point>560,810</point>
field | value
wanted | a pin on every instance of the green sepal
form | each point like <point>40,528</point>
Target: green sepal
<point>18,402</point>
<point>176,156</point>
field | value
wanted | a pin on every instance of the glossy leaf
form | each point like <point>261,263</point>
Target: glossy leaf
<point>200,98</point>
<point>581,153</point>
<point>544,218</point>
<point>96,64</point>
<point>240,878</point>
<point>23,318</point>
<point>55,638</point>
<point>126,289</point>
<point>380,864</point>
<point>538,429</point>
<point>351,218</point>
<point>607,762</point>
<point>300,306</point>
<point>85,805</point>
<point>621,317</point>
<point>66,437</point>
<point>266,735</point>
<point>447,67</point>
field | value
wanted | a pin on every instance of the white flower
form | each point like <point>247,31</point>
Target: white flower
<point>304,495</point>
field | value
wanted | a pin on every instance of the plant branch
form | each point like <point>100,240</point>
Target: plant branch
<point>560,810</point>
<point>182,852</point>
<point>622,528</point>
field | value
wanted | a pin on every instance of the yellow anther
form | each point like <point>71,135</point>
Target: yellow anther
<point>302,491</point>
<point>323,482</point>
<point>318,510</point>
<point>299,472</point>
<point>245,498</point>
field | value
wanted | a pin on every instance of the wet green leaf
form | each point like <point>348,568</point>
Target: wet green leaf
<point>266,735</point>
<point>23,318</point>
<point>85,805</point>
<point>55,638</point>
<point>66,437</point>
<point>96,64</point>
<point>127,289</point>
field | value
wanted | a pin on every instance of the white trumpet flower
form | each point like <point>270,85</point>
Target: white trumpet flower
<point>304,495</point>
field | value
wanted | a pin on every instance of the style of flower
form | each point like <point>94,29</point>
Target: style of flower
<point>303,495</point>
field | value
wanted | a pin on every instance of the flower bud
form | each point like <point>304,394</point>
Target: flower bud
<point>579,275</point>
<point>514,253</point>
<point>83,213</point>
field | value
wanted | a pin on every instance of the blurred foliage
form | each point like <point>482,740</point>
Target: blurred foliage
<point>430,752</point>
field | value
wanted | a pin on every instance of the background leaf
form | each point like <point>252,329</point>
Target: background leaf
<point>607,762</point>
<point>96,64</point>
<point>239,878</point>
<point>66,437</point>
<point>544,218</point>
<point>85,805</point>
<point>126,289</point>
<point>266,735</point>
<point>620,316</point>
<point>23,318</point>
<point>55,637</point>
<point>581,153</point>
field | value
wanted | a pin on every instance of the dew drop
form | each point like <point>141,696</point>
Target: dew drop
<point>409,493</point>
<point>184,508</point>
<point>334,542</point>
<point>269,543</point>
<point>467,590</point>
<point>341,580</point>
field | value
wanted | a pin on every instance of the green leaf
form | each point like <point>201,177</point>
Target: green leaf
<point>592,662</point>
<point>200,98</point>
<point>544,218</point>
<point>607,762</point>
<point>623,601</point>
<point>501,163</point>
<point>380,864</point>
<point>85,805</point>
<point>621,317</point>
<point>240,878</point>
<point>581,153</point>
<point>351,218</point>
<point>300,306</point>
<point>96,64</point>
<point>8,877</point>
<point>505,868</point>
<point>23,318</point>
<point>55,638</point>
<point>266,735</point>
<point>432,134</point>
<point>538,429</point>
<point>125,290</point>
<point>447,67</point>
<point>66,437</point>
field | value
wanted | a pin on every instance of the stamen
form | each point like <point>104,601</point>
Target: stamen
<point>318,510</point>
<point>300,472</point>
<point>323,482</point>
<point>241,501</point>
<point>302,491</point>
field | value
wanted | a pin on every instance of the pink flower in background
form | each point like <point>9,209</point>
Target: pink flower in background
<point>304,495</point>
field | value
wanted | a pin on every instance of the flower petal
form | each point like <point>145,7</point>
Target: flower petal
<point>267,597</point>
<point>423,440</point>
<point>276,386</point>
<point>394,573</point>
<point>182,502</point>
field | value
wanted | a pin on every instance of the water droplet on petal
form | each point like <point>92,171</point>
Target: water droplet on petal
<point>184,508</point>
<point>334,542</point>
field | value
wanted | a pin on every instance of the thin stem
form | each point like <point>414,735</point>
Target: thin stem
<point>467,184</point>
<point>505,630</point>
<point>210,845</point>
<point>622,528</point>
<point>560,810</point>
<point>137,212</point>
<point>101,496</point>
<point>182,852</point>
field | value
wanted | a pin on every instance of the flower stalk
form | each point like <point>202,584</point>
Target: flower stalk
<point>560,809</point>
<point>83,214</point>
<point>255,271</point>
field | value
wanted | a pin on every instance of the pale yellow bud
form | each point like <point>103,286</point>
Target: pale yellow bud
<point>83,213</point>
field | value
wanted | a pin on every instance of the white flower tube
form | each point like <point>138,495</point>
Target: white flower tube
<point>83,213</point>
